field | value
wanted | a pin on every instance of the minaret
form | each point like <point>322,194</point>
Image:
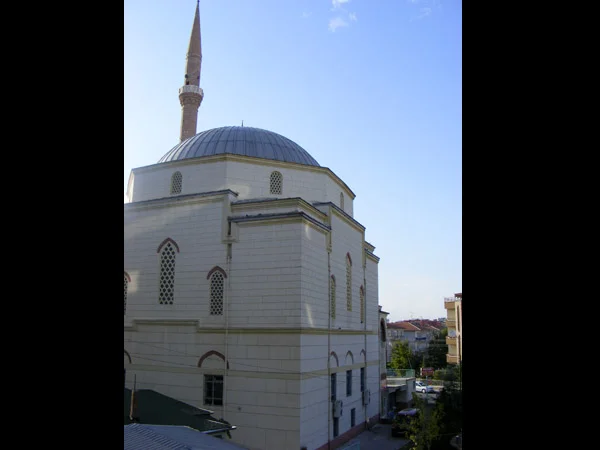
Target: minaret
<point>190,94</point>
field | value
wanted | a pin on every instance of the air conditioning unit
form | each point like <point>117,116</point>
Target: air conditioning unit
<point>366,395</point>
<point>337,408</point>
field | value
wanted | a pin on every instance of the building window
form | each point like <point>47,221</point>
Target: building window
<point>276,183</point>
<point>362,304</point>
<point>336,426</point>
<point>333,387</point>
<point>362,379</point>
<point>167,273</point>
<point>126,280</point>
<point>213,390</point>
<point>348,283</point>
<point>176,183</point>
<point>353,417</point>
<point>348,383</point>
<point>332,297</point>
<point>341,200</point>
<point>217,285</point>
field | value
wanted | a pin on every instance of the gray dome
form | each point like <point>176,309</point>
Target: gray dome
<point>245,141</point>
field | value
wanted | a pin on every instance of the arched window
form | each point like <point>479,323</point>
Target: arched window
<point>176,183</point>
<point>362,304</point>
<point>342,200</point>
<point>166,289</point>
<point>332,296</point>
<point>126,280</point>
<point>348,282</point>
<point>217,288</point>
<point>382,325</point>
<point>276,183</point>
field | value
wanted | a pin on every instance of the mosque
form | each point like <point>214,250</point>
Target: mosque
<point>249,287</point>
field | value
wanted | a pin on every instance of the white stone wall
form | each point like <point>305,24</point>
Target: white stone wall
<point>200,249</point>
<point>155,182</point>
<point>315,282</point>
<point>277,386</point>
<point>346,239</point>
<point>332,193</point>
<point>247,179</point>
<point>266,275</point>
<point>316,416</point>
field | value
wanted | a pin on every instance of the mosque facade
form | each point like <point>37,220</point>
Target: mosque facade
<point>249,287</point>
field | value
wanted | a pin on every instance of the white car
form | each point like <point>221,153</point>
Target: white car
<point>422,387</point>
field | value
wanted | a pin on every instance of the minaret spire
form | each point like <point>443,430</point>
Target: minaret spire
<point>190,94</point>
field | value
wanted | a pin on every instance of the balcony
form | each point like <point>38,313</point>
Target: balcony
<point>452,359</point>
<point>451,323</point>
<point>191,88</point>
<point>451,340</point>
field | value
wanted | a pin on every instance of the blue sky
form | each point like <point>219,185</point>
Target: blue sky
<point>371,89</point>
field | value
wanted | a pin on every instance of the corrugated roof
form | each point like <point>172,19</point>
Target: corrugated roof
<point>167,437</point>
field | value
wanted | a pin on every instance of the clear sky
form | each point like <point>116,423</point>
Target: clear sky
<point>371,89</point>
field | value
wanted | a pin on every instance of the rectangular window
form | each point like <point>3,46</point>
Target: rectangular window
<point>352,417</point>
<point>348,383</point>
<point>213,390</point>
<point>336,426</point>
<point>333,386</point>
<point>362,379</point>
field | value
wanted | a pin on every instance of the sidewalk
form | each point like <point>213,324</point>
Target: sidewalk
<point>379,438</point>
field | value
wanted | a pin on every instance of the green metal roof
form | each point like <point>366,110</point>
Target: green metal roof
<point>155,408</point>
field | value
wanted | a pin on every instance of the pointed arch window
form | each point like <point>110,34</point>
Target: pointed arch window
<point>362,304</point>
<point>332,297</point>
<point>348,282</point>
<point>276,183</point>
<point>126,280</point>
<point>176,183</point>
<point>342,200</point>
<point>217,289</point>
<point>166,290</point>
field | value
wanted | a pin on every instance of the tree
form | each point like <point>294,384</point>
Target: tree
<point>437,350</point>
<point>401,356</point>
<point>425,428</point>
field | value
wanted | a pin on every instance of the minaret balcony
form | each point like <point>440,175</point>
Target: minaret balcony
<point>191,88</point>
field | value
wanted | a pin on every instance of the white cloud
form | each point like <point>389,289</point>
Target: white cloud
<point>337,22</point>
<point>424,12</point>
<point>352,17</point>
<point>426,8</point>
<point>306,15</point>
<point>338,3</point>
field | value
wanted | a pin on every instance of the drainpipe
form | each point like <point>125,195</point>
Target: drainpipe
<point>365,327</point>
<point>329,410</point>
<point>228,269</point>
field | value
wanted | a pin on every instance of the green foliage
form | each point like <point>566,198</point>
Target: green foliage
<point>425,428</point>
<point>401,356</point>
<point>434,431</point>
<point>437,350</point>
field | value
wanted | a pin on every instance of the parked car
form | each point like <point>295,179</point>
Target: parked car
<point>422,387</point>
<point>402,421</point>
